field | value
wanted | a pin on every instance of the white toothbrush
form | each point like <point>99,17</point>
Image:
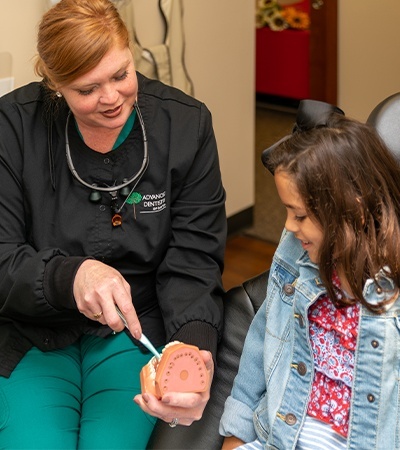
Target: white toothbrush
<point>143,339</point>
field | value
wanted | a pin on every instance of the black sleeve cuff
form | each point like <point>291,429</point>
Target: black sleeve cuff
<point>59,278</point>
<point>198,333</point>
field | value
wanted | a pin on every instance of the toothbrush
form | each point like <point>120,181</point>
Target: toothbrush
<point>143,339</point>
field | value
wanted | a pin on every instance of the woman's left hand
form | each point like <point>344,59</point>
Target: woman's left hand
<point>181,407</point>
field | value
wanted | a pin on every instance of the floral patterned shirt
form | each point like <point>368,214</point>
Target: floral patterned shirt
<point>333,334</point>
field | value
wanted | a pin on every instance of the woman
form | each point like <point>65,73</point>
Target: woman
<point>320,364</point>
<point>111,196</point>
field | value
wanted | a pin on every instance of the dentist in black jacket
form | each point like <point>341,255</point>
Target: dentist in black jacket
<point>110,194</point>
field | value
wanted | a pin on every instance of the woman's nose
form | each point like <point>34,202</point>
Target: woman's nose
<point>109,95</point>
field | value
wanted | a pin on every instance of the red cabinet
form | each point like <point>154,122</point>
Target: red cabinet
<point>282,62</point>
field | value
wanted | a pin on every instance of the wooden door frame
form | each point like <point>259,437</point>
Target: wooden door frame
<point>323,52</point>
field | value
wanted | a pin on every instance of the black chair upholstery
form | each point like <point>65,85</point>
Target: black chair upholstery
<point>385,117</point>
<point>241,304</point>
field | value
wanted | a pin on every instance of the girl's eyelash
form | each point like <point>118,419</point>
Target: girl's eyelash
<point>300,218</point>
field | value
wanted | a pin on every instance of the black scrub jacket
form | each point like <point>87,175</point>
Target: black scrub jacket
<point>170,245</point>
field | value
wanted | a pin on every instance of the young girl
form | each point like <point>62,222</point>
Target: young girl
<point>320,366</point>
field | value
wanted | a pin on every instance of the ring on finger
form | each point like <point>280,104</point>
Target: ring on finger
<point>174,422</point>
<point>98,315</point>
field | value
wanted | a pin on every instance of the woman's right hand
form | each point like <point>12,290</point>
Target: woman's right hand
<point>97,289</point>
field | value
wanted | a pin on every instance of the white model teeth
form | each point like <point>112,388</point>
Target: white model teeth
<point>153,363</point>
<point>170,344</point>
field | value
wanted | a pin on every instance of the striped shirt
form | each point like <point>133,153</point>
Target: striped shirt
<point>315,435</point>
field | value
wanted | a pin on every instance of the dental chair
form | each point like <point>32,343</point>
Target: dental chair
<point>386,119</point>
<point>241,304</point>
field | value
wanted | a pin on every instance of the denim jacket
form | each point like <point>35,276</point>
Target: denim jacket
<point>270,394</point>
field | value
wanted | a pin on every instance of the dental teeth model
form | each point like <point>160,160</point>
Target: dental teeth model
<point>180,369</point>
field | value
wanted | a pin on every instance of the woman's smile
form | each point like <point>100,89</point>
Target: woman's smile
<point>111,113</point>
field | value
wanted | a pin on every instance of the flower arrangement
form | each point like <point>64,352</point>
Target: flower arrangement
<point>271,14</point>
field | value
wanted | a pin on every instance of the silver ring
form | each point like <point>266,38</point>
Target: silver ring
<point>174,422</point>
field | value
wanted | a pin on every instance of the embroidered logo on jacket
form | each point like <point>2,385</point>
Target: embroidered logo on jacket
<point>153,203</point>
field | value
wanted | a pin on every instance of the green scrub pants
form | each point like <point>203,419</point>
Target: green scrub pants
<point>79,397</point>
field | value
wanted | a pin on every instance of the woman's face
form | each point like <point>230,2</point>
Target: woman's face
<point>104,97</point>
<point>298,222</point>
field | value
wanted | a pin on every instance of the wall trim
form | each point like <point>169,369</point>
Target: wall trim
<point>241,220</point>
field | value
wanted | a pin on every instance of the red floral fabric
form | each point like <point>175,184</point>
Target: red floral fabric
<point>333,334</point>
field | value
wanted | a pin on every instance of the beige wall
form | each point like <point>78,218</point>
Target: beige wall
<point>220,60</point>
<point>18,19</point>
<point>369,49</point>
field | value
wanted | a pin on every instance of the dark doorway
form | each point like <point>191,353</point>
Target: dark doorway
<point>323,50</point>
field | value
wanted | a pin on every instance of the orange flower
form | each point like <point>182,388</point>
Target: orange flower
<point>296,19</point>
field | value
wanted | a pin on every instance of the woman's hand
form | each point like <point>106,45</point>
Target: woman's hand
<point>97,289</point>
<point>186,407</point>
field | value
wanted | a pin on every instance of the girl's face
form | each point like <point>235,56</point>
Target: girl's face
<point>307,230</point>
<point>104,97</point>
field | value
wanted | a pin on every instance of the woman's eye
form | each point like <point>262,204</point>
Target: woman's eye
<point>300,218</point>
<point>122,77</point>
<point>88,92</point>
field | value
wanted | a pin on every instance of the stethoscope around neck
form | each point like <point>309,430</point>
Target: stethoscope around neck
<point>124,187</point>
